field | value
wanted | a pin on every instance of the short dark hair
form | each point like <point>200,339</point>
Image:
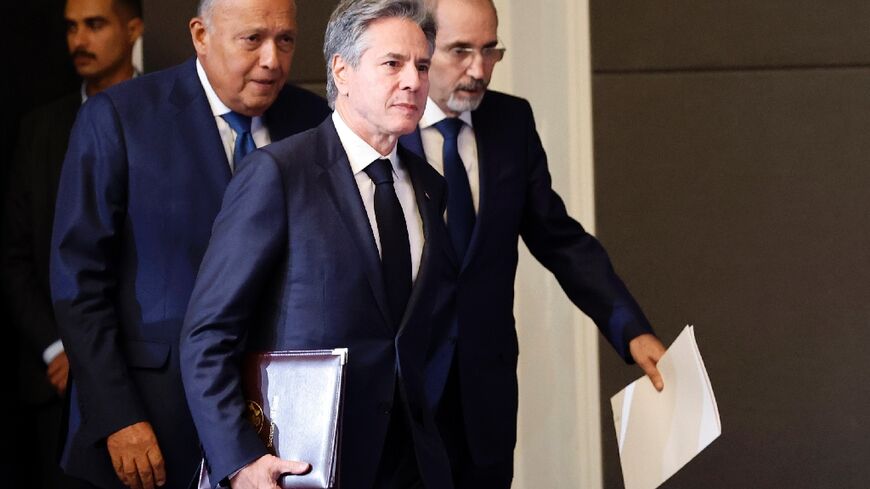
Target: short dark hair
<point>128,8</point>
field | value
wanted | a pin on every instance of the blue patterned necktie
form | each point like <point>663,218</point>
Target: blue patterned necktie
<point>393,234</point>
<point>241,124</point>
<point>460,207</point>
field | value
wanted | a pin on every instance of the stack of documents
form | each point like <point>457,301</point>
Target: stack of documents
<point>659,432</point>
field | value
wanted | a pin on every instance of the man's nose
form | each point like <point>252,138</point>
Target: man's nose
<point>412,77</point>
<point>475,67</point>
<point>77,38</point>
<point>269,55</point>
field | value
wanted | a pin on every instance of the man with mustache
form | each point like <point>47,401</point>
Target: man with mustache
<point>100,37</point>
<point>499,190</point>
<point>143,179</point>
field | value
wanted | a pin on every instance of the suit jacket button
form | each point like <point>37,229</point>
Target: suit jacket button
<point>385,407</point>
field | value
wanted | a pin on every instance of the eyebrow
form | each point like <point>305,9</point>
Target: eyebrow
<point>86,20</point>
<point>463,44</point>
<point>404,57</point>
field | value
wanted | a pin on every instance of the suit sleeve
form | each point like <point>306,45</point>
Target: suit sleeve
<point>575,257</point>
<point>247,244</point>
<point>84,268</point>
<point>28,300</point>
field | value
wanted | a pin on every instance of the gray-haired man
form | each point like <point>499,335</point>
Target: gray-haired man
<point>142,182</point>
<point>332,238</point>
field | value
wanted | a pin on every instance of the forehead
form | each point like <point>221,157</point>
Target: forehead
<point>241,14</point>
<point>395,35</point>
<point>81,9</point>
<point>466,21</point>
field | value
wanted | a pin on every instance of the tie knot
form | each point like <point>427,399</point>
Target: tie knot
<point>449,127</point>
<point>380,171</point>
<point>240,123</point>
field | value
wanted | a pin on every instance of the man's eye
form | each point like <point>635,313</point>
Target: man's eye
<point>392,64</point>
<point>287,40</point>
<point>95,25</point>
<point>423,68</point>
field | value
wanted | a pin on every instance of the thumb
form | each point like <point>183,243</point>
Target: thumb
<point>654,375</point>
<point>294,467</point>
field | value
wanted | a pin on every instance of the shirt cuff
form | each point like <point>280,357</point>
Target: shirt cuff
<point>52,351</point>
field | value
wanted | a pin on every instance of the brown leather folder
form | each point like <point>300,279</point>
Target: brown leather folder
<point>295,402</point>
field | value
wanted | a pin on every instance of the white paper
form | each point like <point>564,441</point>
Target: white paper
<point>659,432</point>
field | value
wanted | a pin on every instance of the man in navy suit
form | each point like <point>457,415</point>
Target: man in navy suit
<point>486,145</point>
<point>332,238</point>
<point>142,182</point>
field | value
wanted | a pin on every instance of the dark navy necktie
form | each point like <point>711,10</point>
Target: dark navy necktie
<point>241,124</point>
<point>460,207</point>
<point>393,233</point>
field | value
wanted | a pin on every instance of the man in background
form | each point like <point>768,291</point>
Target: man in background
<point>499,189</point>
<point>100,38</point>
<point>143,179</point>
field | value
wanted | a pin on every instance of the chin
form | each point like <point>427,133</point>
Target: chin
<point>463,104</point>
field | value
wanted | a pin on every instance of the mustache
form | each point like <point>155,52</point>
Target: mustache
<point>82,53</point>
<point>474,85</point>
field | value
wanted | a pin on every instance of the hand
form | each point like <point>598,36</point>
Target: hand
<point>136,457</point>
<point>646,350</point>
<point>263,473</point>
<point>58,372</point>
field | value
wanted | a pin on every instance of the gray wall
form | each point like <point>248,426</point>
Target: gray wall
<point>167,38</point>
<point>732,146</point>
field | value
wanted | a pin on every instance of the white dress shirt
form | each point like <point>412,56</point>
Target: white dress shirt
<point>360,155</point>
<point>258,130</point>
<point>433,146</point>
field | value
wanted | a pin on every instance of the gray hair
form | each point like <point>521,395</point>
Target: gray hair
<point>204,9</point>
<point>349,22</point>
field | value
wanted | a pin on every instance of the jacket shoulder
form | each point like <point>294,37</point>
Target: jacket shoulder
<point>504,103</point>
<point>301,102</point>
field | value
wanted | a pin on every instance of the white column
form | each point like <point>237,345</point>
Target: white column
<point>548,63</point>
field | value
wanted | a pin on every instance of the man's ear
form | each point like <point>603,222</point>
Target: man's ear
<point>340,72</point>
<point>135,28</point>
<point>198,35</point>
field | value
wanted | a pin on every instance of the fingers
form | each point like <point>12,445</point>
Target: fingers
<point>155,457</point>
<point>145,472</point>
<point>293,467</point>
<point>646,350</point>
<point>131,474</point>
<point>654,375</point>
<point>265,472</point>
<point>118,465</point>
<point>136,457</point>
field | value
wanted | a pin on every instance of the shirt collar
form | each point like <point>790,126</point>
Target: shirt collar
<point>84,91</point>
<point>359,153</point>
<point>218,108</point>
<point>433,115</point>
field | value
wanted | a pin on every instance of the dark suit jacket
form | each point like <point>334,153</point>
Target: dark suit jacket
<point>26,236</point>
<point>141,185</point>
<point>516,199</point>
<point>293,264</point>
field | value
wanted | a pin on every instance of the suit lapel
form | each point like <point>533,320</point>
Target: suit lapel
<point>195,122</point>
<point>428,193</point>
<point>413,143</point>
<point>342,190</point>
<point>486,136</point>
